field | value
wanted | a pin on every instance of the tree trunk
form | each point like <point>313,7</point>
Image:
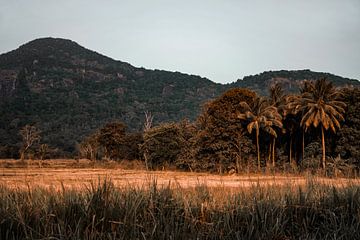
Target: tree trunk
<point>238,160</point>
<point>146,160</point>
<point>303,145</point>
<point>258,148</point>
<point>23,152</point>
<point>323,148</point>
<point>273,152</point>
<point>269,155</point>
<point>290,151</point>
<point>22,155</point>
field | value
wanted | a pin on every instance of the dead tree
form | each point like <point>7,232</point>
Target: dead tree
<point>147,125</point>
<point>30,135</point>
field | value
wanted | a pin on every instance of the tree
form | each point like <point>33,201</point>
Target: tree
<point>347,144</point>
<point>43,150</point>
<point>89,147</point>
<point>320,107</point>
<point>30,135</point>
<point>260,115</point>
<point>277,99</point>
<point>163,144</point>
<point>291,126</point>
<point>111,137</point>
<point>219,137</point>
<point>130,149</point>
<point>147,126</point>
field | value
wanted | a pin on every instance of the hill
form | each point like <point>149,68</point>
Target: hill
<point>69,91</point>
<point>290,80</point>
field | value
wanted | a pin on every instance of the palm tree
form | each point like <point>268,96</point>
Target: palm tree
<point>260,115</point>
<point>292,121</point>
<point>277,96</point>
<point>320,107</point>
<point>277,99</point>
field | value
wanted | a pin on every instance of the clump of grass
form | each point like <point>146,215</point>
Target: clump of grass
<point>102,211</point>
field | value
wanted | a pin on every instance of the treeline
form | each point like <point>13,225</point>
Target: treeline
<point>240,131</point>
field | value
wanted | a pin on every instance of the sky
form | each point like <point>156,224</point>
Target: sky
<point>222,40</point>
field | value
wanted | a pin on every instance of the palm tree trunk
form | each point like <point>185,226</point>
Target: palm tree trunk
<point>269,155</point>
<point>273,152</point>
<point>323,147</point>
<point>290,151</point>
<point>258,148</point>
<point>303,145</point>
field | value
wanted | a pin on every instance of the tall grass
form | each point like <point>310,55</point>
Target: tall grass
<point>103,211</point>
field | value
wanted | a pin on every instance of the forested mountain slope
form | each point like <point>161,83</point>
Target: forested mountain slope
<point>69,91</point>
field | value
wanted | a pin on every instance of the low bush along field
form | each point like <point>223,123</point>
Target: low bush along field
<point>98,203</point>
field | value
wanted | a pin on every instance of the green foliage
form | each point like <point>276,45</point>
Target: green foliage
<point>221,143</point>
<point>163,144</point>
<point>111,137</point>
<point>130,148</point>
<point>347,144</point>
<point>69,92</point>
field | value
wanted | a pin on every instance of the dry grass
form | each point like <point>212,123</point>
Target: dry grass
<point>103,211</point>
<point>81,173</point>
<point>70,199</point>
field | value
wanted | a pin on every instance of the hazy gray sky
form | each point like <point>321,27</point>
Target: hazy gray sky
<point>222,40</point>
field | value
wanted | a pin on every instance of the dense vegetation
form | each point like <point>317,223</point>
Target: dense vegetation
<point>69,92</point>
<point>240,131</point>
<point>104,212</point>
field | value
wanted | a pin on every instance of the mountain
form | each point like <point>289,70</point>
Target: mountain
<point>290,80</point>
<point>69,91</point>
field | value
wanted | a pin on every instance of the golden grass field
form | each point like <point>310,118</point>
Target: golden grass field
<point>82,173</point>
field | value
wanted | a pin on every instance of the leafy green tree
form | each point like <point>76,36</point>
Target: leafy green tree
<point>220,139</point>
<point>130,149</point>
<point>111,137</point>
<point>347,144</point>
<point>163,144</point>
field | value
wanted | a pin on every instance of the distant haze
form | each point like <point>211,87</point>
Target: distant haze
<point>222,40</point>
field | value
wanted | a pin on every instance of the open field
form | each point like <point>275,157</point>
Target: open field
<point>82,200</point>
<point>78,174</point>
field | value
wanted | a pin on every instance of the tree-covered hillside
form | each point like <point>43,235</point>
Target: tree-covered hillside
<point>291,81</point>
<point>68,92</point>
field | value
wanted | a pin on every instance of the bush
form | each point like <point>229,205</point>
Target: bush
<point>162,144</point>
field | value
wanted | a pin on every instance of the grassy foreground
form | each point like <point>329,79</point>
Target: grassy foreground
<point>103,211</point>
